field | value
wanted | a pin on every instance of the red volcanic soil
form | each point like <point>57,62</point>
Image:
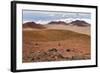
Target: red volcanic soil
<point>55,45</point>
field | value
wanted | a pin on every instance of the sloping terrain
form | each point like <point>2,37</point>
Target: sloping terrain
<point>51,35</point>
<point>82,30</point>
<point>56,41</point>
<point>55,45</point>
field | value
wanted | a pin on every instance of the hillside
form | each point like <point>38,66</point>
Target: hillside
<point>82,30</point>
<point>55,45</point>
<point>52,35</point>
<point>56,41</point>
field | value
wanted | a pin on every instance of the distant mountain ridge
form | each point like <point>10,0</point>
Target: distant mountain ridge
<point>58,22</point>
<point>33,25</point>
<point>80,23</point>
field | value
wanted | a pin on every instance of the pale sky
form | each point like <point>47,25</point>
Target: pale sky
<point>47,16</point>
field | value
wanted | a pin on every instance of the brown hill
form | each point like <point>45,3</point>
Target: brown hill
<point>51,35</point>
<point>58,22</point>
<point>33,25</point>
<point>55,45</point>
<point>80,23</point>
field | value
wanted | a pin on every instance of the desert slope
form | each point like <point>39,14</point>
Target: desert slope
<point>82,30</point>
<point>51,35</point>
<point>55,45</point>
<point>56,41</point>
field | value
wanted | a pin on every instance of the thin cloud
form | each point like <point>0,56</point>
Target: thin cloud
<point>46,16</point>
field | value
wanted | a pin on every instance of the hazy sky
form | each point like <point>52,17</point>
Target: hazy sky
<point>47,16</point>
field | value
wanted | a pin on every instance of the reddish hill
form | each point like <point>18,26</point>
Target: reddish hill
<point>80,23</point>
<point>33,25</point>
<point>58,22</point>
